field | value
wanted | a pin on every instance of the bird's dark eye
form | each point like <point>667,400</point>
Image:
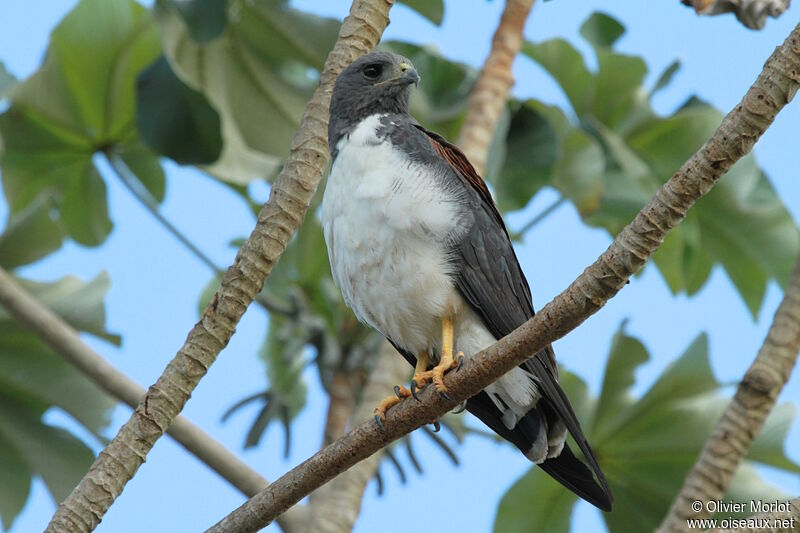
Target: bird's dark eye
<point>373,71</point>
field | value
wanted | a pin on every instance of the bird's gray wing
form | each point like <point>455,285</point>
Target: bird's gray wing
<point>491,280</point>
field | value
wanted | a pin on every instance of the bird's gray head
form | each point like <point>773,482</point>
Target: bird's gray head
<point>378,82</point>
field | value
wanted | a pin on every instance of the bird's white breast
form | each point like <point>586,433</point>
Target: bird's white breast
<point>384,219</point>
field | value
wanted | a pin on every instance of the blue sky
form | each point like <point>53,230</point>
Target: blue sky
<point>155,282</point>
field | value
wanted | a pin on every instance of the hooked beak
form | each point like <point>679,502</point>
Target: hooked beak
<point>409,75</point>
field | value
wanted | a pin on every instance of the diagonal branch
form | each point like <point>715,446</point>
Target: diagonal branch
<point>65,341</point>
<point>488,97</point>
<point>277,222</point>
<point>736,135</point>
<point>744,417</point>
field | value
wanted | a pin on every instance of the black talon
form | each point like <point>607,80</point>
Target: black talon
<point>397,391</point>
<point>460,363</point>
<point>436,426</point>
<point>460,408</point>
<point>414,390</point>
<point>445,396</point>
<point>380,423</point>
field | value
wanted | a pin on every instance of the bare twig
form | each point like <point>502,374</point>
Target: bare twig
<point>277,222</point>
<point>546,212</point>
<point>751,13</point>
<point>65,341</point>
<point>744,417</point>
<point>335,506</point>
<point>135,187</point>
<point>488,97</point>
<point>736,135</point>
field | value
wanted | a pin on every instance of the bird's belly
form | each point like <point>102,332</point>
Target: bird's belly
<point>393,281</point>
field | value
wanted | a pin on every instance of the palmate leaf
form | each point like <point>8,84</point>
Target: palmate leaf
<point>34,379</point>
<point>78,103</point>
<point>646,446</point>
<point>255,75</point>
<point>7,80</point>
<point>432,10</point>
<point>741,225</point>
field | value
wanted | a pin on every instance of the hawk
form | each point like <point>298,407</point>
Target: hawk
<point>420,253</point>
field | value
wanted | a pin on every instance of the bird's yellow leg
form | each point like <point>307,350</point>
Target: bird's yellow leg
<point>446,362</point>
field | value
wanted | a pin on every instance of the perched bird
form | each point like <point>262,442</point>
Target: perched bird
<point>421,253</point>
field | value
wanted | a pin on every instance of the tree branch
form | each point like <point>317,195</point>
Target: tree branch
<point>735,137</point>
<point>335,506</point>
<point>752,13</point>
<point>744,417</point>
<point>277,222</point>
<point>784,521</point>
<point>489,96</point>
<point>65,341</point>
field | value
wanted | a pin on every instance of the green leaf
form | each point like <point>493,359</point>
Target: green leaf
<point>79,303</point>
<point>34,379</point>
<point>30,234</point>
<point>741,224</point>
<point>206,19</point>
<point>531,151</point>
<point>145,166</point>
<point>535,502</point>
<point>79,102</point>
<point>627,354</point>
<point>579,172</point>
<point>617,93</point>
<point>602,30</point>
<point>175,120</point>
<point>432,10</point>
<point>16,483</point>
<point>646,446</point>
<point>666,77</point>
<point>260,67</point>
<point>7,81</point>
<point>52,453</point>
<point>566,66</point>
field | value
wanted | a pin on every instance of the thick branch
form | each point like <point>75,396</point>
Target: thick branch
<point>751,13</point>
<point>277,222</point>
<point>784,520</point>
<point>489,96</point>
<point>65,341</point>
<point>744,417</point>
<point>334,507</point>
<point>735,137</point>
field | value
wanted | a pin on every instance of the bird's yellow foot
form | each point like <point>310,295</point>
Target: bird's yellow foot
<point>387,403</point>
<point>436,375</point>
